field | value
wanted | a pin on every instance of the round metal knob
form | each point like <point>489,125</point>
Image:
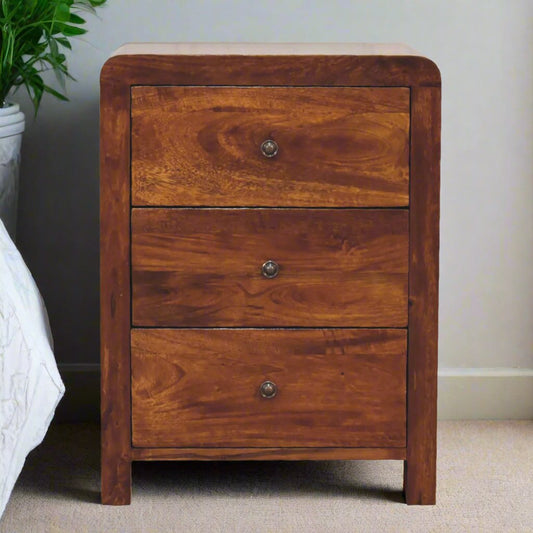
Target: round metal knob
<point>268,389</point>
<point>270,269</point>
<point>269,148</point>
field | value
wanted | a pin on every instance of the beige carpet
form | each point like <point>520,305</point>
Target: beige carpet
<point>485,484</point>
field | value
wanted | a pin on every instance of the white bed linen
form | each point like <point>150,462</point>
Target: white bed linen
<point>30,384</point>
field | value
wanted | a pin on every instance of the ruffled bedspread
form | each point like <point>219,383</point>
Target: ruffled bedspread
<point>30,384</point>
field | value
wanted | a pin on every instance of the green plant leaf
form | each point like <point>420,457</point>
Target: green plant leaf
<point>64,42</point>
<point>75,19</point>
<point>31,34</point>
<point>62,12</point>
<point>55,93</point>
<point>69,31</point>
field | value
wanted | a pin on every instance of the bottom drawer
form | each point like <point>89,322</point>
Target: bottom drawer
<point>330,388</point>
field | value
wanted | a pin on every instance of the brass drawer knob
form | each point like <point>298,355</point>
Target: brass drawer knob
<point>269,148</point>
<point>270,269</point>
<point>268,389</point>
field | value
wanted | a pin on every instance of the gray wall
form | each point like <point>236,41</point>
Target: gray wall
<point>484,50</point>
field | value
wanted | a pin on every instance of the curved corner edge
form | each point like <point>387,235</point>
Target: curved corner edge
<point>425,71</point>
<point>109,68</point>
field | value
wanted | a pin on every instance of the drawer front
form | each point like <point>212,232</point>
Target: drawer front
<point>336,146</point>
<point>202,388</point>
<point>203,267</point>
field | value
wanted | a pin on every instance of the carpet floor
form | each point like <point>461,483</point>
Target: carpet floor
<point>485,484</point>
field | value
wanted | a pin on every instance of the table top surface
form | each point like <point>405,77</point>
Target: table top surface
<point>260,49</point>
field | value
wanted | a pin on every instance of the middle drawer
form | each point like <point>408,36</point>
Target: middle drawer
<point>205,267</point>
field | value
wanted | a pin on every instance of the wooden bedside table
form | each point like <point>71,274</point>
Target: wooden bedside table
<point>269,256</point>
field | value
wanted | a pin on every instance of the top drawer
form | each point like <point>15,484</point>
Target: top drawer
<point>336,146</point>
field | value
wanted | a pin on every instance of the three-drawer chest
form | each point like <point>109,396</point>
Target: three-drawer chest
<point>269,256</point>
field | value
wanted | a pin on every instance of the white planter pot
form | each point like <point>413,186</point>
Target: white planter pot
<point>11,130</point>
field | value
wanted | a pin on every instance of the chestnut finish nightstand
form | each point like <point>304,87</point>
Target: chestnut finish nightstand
<point>269,256</point>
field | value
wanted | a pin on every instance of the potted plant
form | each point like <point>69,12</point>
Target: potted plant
<point>34,35</point>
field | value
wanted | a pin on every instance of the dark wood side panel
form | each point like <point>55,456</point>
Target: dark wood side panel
<point>420,467</point>
<point>202,267</point>
<point>115,291</point>
<point>336,388</point>
<point>337,146</point>
<point>266,454</point>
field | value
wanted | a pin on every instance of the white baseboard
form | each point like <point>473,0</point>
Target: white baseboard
<point>485,393</point>
<point>464,393</point>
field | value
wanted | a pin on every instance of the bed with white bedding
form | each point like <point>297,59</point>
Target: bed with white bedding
<point>30,385</point>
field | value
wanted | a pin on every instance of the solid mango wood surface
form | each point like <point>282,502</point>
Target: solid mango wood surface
<point>335,388</point>
<point>365,66</point>
<point>202,267</point>
<point>115,294</point>
<point>337,146</point>
<point>268,65</point>
<point>420,470</point>
<point>266,454</point>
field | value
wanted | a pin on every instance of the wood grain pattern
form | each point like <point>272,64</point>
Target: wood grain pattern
<point>115,292</point>
<point>266,454</point>
<point>198,388</point>
<point>420,467</point>
<point>292,66</point>
<point>341,70</point>
<point>202,267</point>
<point>337,146</point>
